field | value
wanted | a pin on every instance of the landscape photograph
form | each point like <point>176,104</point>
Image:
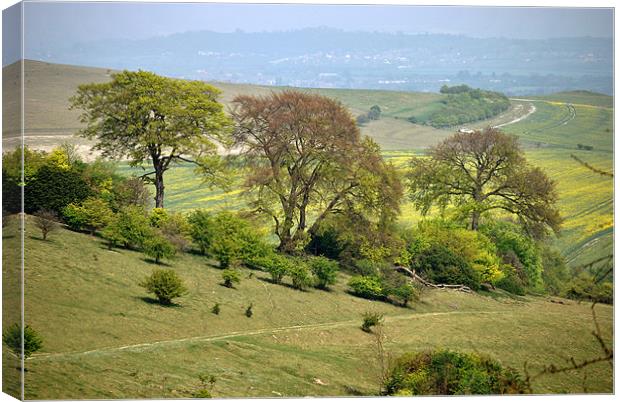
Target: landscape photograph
<point>252,200</point>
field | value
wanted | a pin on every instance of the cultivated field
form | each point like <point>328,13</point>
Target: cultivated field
<point>105,338</point>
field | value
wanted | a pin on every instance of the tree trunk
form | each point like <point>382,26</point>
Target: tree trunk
<point>159,187</point>
<point>475,218</point>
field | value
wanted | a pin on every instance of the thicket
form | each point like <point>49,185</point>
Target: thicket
<point>445,372</point>
<point>464,105</point>
<point>12,338</point>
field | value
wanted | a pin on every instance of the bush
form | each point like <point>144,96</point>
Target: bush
<point>130,226</point>
<point>368,287</point>
<point>583,287</point>
<point>276,264</point>
<point>92,214</point>
<point>230,277</point>
<point>445,372</point>
<point>248,311</point>
<point>300,275</point>
<point>12,338</point>
<point>165,284</point>
<point>53,188</point>
<point>325,271</point>
<point>440,265</point>
<point>45,220</point>
<point>511,282</point>
<point>201,229</point>
<point>158,247</point>
<point>370,320</point>
<point>405,293</point>
<point>216,309</point>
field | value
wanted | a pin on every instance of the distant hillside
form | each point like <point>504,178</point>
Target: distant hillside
<point>49,121</point>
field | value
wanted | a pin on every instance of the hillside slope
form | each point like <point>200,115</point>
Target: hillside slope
<point>105,338</point>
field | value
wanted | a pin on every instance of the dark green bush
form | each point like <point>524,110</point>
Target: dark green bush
<point>584,287</point>
<point>439,264</point>
<point>405,293</point>
<point>165,284</point>
<point>445,372</point>
<point>248,311</point>
<point>276,264</point>
<point>325,271</point>
<point>230,277</point>
<point>370,320</point>
<point>511,283</point>
<point>216,309</point>
<point>54,188</point>
<point>368,287</point>
<point>12,338</point>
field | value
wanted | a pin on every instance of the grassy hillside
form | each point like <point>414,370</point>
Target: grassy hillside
<point>105,338</point>
<point>48,120</point>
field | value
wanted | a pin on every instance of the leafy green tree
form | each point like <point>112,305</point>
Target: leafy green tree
<point>405,293</point>
<point>305,153</point>
<point>439,264</point>
<point>368,287</point>
<point>300,275</point>
<point>202,229</point>
<point>12,337</point>
<point>325,271</point>
<point>92,214</point>
<point>165,284</point>
<point>54,188</point>
<point>277,265</point>
<point>131,226</point>
<point>113,232</point>
<point>374,113</point>
<point>149,118</point>
<point>484,171</point>
<point>158,247</point>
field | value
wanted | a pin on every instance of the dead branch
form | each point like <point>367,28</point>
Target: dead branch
<point>417,278</point>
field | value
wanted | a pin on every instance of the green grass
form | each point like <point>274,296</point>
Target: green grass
<point>104,337</point>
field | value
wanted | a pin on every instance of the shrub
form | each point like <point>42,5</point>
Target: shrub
<point>300,275</point>
<point>368,287</point>
<point>92,214</point>
<point>12,337</point>
<point>440,265</point>
<point>370,320</point>
<point>230,277</point>
<point>216,309</point>
<point>113,233</point>
<point>583,287</point>
<point>132,226</point>
<point>405,293</point>
<point>445,372</point>
<point>201,229</point>
<point>365,267</point>
<point>248,311</point>
<point>158,247</point>
<point>53,188</point>
<point>511,282</point>
<point>325,271</point>
<point>276,264</point>
<point>45,220</point>
<point>165,284</point>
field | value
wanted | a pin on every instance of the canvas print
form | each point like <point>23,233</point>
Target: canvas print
<point>219,200</point>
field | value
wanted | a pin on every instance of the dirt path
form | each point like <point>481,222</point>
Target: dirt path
<point>531,110</point>
<point>212,338</point>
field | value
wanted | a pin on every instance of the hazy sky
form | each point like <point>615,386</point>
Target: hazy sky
<point>76,22</point>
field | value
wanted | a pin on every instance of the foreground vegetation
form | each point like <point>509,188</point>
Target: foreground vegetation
<point>292,338</point>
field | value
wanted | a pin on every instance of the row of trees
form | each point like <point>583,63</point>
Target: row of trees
<point>309,171</point>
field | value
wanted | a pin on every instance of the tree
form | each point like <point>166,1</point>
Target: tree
<point>230,276</point>
<point>145,117</point>
<point>158,247</point>
<point>165,284</point>
<point>325,271</point>
<point>483,171</point>
<point>92,214</point>
<point>12,337</point>
<point>305,152</point>
<point>45,220</point>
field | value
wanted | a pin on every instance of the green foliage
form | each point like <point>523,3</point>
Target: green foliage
<point>405,293</point>
<point>511,282</point>
<point>54,188</point>
<point>440,264</point>
<point>165,284</point>
<point>276,264</point>
<point>510,238</point>
<point>465,105</point>
<point>12,338</point>
<point>158,247</point>
<point>555,272</point>
<point>468,249</point>
<point>445,372</point>
<point>131,227</point>
<point>368,287</point>
<point>230,276</point>
<point>584,287</point>
<point>324,270</point>
<point>216,309</point>
<point>207,382</point>
<point>248,311</point>
<point>370,319</point>
<point>92,214</point>
<point>300,275</point>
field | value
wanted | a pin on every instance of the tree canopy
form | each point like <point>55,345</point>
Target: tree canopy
<point>483,171</point>
<point>307,158</point>
<point>149,118</point>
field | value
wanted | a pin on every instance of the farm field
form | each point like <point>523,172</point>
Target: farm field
<point>292,346</point>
